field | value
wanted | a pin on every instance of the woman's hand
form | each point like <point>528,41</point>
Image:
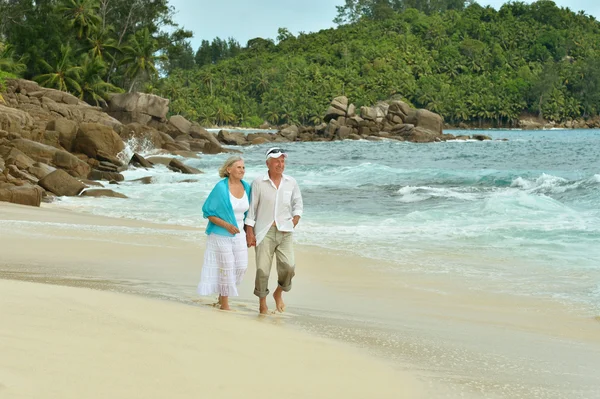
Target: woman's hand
<point>232,229</point>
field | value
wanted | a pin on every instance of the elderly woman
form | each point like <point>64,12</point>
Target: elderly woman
<point>226,255</point>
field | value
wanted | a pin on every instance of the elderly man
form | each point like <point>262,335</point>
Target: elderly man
<point>275,209</point>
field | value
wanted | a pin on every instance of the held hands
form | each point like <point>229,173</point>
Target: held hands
<point>250,237</point>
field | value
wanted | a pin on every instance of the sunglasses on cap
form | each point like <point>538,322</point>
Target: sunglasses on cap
<point>275,151</point>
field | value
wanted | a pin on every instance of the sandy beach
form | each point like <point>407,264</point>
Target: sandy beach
<point>352,329</point>
<point>68,342</point>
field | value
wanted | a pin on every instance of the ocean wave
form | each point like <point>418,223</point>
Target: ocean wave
<point>549,184</point>
<point>411,194</point>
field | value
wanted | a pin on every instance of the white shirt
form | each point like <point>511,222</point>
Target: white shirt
<point>240,206</point>
<point>270,204</point>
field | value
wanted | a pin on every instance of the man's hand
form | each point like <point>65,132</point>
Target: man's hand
<point>250,237</point>
<point>295,220</point>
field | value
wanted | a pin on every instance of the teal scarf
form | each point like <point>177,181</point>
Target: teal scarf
<point>218,204</point>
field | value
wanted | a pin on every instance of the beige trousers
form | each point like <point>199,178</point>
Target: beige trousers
<point>278,243</point>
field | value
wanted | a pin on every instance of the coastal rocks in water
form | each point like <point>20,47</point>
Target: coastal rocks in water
<point>429,121</point>
<point>144,180</point>
<point>211,148</point>
<point>232,138</point>
<point>290,132</point>
<point>481,137</point>
<point>154,160</point>
<point>96,174</point>
<point>531,124</point>
<point>181,167</point>
<point>102,192</point>
<point>139,161</point>
<point>61,183</point>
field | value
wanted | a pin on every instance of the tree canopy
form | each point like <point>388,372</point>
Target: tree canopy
<point>466,62</point>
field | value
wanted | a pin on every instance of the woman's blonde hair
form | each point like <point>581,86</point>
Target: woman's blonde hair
<point>230,161</point>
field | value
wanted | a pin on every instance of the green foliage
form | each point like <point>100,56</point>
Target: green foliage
<point>472,64</point>
<point>215,51</point>
<point>91,47</point>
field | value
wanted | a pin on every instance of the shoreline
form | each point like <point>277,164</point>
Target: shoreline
<point>337,296</point>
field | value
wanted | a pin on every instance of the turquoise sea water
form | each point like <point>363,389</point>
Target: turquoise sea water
<point>519,216</point>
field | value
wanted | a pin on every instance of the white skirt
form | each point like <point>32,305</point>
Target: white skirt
<point>225,263</point>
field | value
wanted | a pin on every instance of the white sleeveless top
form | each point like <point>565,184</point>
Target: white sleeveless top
<point>240,206</point>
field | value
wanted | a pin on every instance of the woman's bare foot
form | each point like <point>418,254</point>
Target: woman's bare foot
<point>224,301</point>
<point>263,308</point>
<point>277,295</point>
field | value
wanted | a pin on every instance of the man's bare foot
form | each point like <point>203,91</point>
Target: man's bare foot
<point>277,295</point>
<point>224,302</point>
<point>263,308</point>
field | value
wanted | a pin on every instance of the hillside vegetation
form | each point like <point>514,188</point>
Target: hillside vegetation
<point>466,62</point>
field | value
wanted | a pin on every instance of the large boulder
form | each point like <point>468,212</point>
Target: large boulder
<point>44,104</point>
<point>338,107</point>
<point>52,156</point>
<point>14,120</point>
<point>429,120</point>
<point>24,195</point>
<point>93,138</point>
<point>67,131</point>
<point>232,138</point>
<point>198,132</point>
<point>418,135</point>
<point>399,108</point>
<point>290,132</point>
<point>40,170</point>
<point>138,107</point>
<point>340,103</point>
<point>139,161</point>
<point>211,148</point>
<point>142,138</point>
<point>368,113</point>
<point>181,167</point>
<point>333,113</point>
<point>180,123</point>
<point>61,183</point>
<point>96,174</point>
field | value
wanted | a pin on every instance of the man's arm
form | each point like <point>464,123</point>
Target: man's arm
<point>251,216</point>
<point>297,204</point>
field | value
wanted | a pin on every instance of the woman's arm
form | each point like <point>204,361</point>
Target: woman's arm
<point>227,226</point>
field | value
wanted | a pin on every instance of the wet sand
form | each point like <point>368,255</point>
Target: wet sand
<point>457,342</point>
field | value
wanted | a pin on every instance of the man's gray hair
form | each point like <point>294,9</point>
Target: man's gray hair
<point>230,161</point>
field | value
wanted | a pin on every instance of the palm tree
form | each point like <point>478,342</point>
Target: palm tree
<point>102,44</point>
<point>8,62</point>
<point>81,14</point>
<point>93,88</point>
<point>140,57</point>
<point>64,75</point>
